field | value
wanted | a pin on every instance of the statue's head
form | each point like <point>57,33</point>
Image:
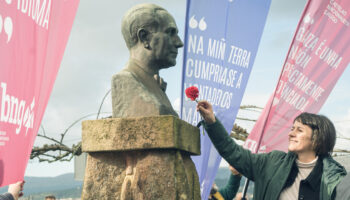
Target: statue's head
<point>153,30</point>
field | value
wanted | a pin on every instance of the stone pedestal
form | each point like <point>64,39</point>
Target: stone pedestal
<point>140,158</point>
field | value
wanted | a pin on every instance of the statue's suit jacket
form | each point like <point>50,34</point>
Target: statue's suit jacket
<point>136,93</point>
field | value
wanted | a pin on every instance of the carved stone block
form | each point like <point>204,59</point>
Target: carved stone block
<point>140,158</point>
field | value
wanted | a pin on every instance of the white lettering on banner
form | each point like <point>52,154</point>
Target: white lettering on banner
<point>335,12</point>
<point>295,87</point>
<point>252,146</point>
<point>216,48</point>
<point>309,41</point>
<point>330,57</point>
<point>191,115</point>
<point>306,85</point>
<point>300,56</point>
<point>240,57</point>
<point>294,99</point>
<point>3,138</point>
<point>15,111</point>
<point>38,10</point>
<point>217,97</point>
<point>262,149</point>
<point>213,72</point>
<point>224,68</point>
<point>194,45</point>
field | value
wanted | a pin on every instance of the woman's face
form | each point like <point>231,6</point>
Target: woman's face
<point>300,138</point>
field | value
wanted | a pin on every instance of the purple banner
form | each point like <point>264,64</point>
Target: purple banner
<point>221,41</point>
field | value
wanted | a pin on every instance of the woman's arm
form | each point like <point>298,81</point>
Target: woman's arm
<point>231,188</point>
<point>247,163</point>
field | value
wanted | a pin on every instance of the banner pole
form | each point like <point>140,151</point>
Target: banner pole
<point>245,188</point>
<point>246,184</point>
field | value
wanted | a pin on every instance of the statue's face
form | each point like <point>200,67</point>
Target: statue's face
<point>165,41</point>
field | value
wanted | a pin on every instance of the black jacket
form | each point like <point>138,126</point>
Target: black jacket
<point>310,187</point>
<point>6,196</point>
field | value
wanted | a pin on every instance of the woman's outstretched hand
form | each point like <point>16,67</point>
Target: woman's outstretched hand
<point>16,189</point>
<point>206,110</point>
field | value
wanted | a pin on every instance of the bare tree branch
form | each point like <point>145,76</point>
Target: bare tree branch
<point>239,133</point>
<point>103,100</point>
<point>246,119</point>
<point>44,153</point>
<point>248,107</point>
<point>59,151</point>
<point>65,153</point>
<point>341,151</point>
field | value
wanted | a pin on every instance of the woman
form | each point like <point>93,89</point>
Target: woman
<point>307,171</point>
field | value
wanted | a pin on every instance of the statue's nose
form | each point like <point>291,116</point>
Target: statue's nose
<point>178,42</point>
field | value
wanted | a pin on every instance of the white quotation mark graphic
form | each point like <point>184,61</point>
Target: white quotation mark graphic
<point>275,101</point>
<point>8,26</point>
<point>202,25</point>
<point>307,19</point>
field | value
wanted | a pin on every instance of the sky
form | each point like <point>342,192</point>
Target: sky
<point>96,50</point>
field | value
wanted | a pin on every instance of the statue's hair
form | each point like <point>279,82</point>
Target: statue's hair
<point>140,16</point>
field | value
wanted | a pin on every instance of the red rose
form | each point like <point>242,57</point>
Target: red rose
<point>192,92</point>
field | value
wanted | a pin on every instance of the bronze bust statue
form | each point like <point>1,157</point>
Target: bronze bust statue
<point>151,36</point>
<point>139,154</point>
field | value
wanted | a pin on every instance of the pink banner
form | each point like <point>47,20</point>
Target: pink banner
<point>319,53</point>
<point>33,36</point>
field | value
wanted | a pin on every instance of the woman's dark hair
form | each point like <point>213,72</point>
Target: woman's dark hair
<point>50,197</point>
<point>323,132</point>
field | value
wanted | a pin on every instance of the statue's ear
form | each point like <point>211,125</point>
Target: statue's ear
<point>143,36</point>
